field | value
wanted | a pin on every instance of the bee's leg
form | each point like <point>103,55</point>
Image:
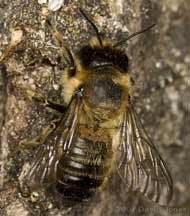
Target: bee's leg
<point>40,139</point>
<point>60,108</point>
<point>55,106</point>
<point>16,38</point>
<point>66,54</point>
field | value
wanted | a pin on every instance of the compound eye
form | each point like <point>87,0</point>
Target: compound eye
<point>72,72</point>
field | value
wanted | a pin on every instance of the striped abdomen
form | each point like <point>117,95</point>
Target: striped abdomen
<point>84,168</point>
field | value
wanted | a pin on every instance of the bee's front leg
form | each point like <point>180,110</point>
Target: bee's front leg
<point>66,54</point>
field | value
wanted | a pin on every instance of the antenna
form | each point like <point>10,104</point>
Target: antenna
<point>92,24</point>
<point>133,35</point>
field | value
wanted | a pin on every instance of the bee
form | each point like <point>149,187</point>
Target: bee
<point>99,130</point>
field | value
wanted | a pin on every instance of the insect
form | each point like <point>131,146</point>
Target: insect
<point>99,129</point>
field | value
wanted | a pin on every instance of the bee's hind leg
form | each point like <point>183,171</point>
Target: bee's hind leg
<point>40,139</point>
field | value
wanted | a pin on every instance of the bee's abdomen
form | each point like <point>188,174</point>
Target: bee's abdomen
<point>84,168</point>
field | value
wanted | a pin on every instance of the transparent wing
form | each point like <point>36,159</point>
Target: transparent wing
<point>43,169</point>
<point>141,166</point>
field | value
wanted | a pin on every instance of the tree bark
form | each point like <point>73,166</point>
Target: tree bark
<point>159,64</point>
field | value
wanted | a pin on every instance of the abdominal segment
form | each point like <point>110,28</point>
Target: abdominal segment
<point>84,168</point>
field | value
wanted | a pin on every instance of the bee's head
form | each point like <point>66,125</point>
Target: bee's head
<point>93,56</point>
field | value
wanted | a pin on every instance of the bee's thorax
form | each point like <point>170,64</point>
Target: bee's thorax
<point>102,95</point>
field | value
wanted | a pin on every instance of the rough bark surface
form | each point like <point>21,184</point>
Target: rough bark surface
<point>159,64</point>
